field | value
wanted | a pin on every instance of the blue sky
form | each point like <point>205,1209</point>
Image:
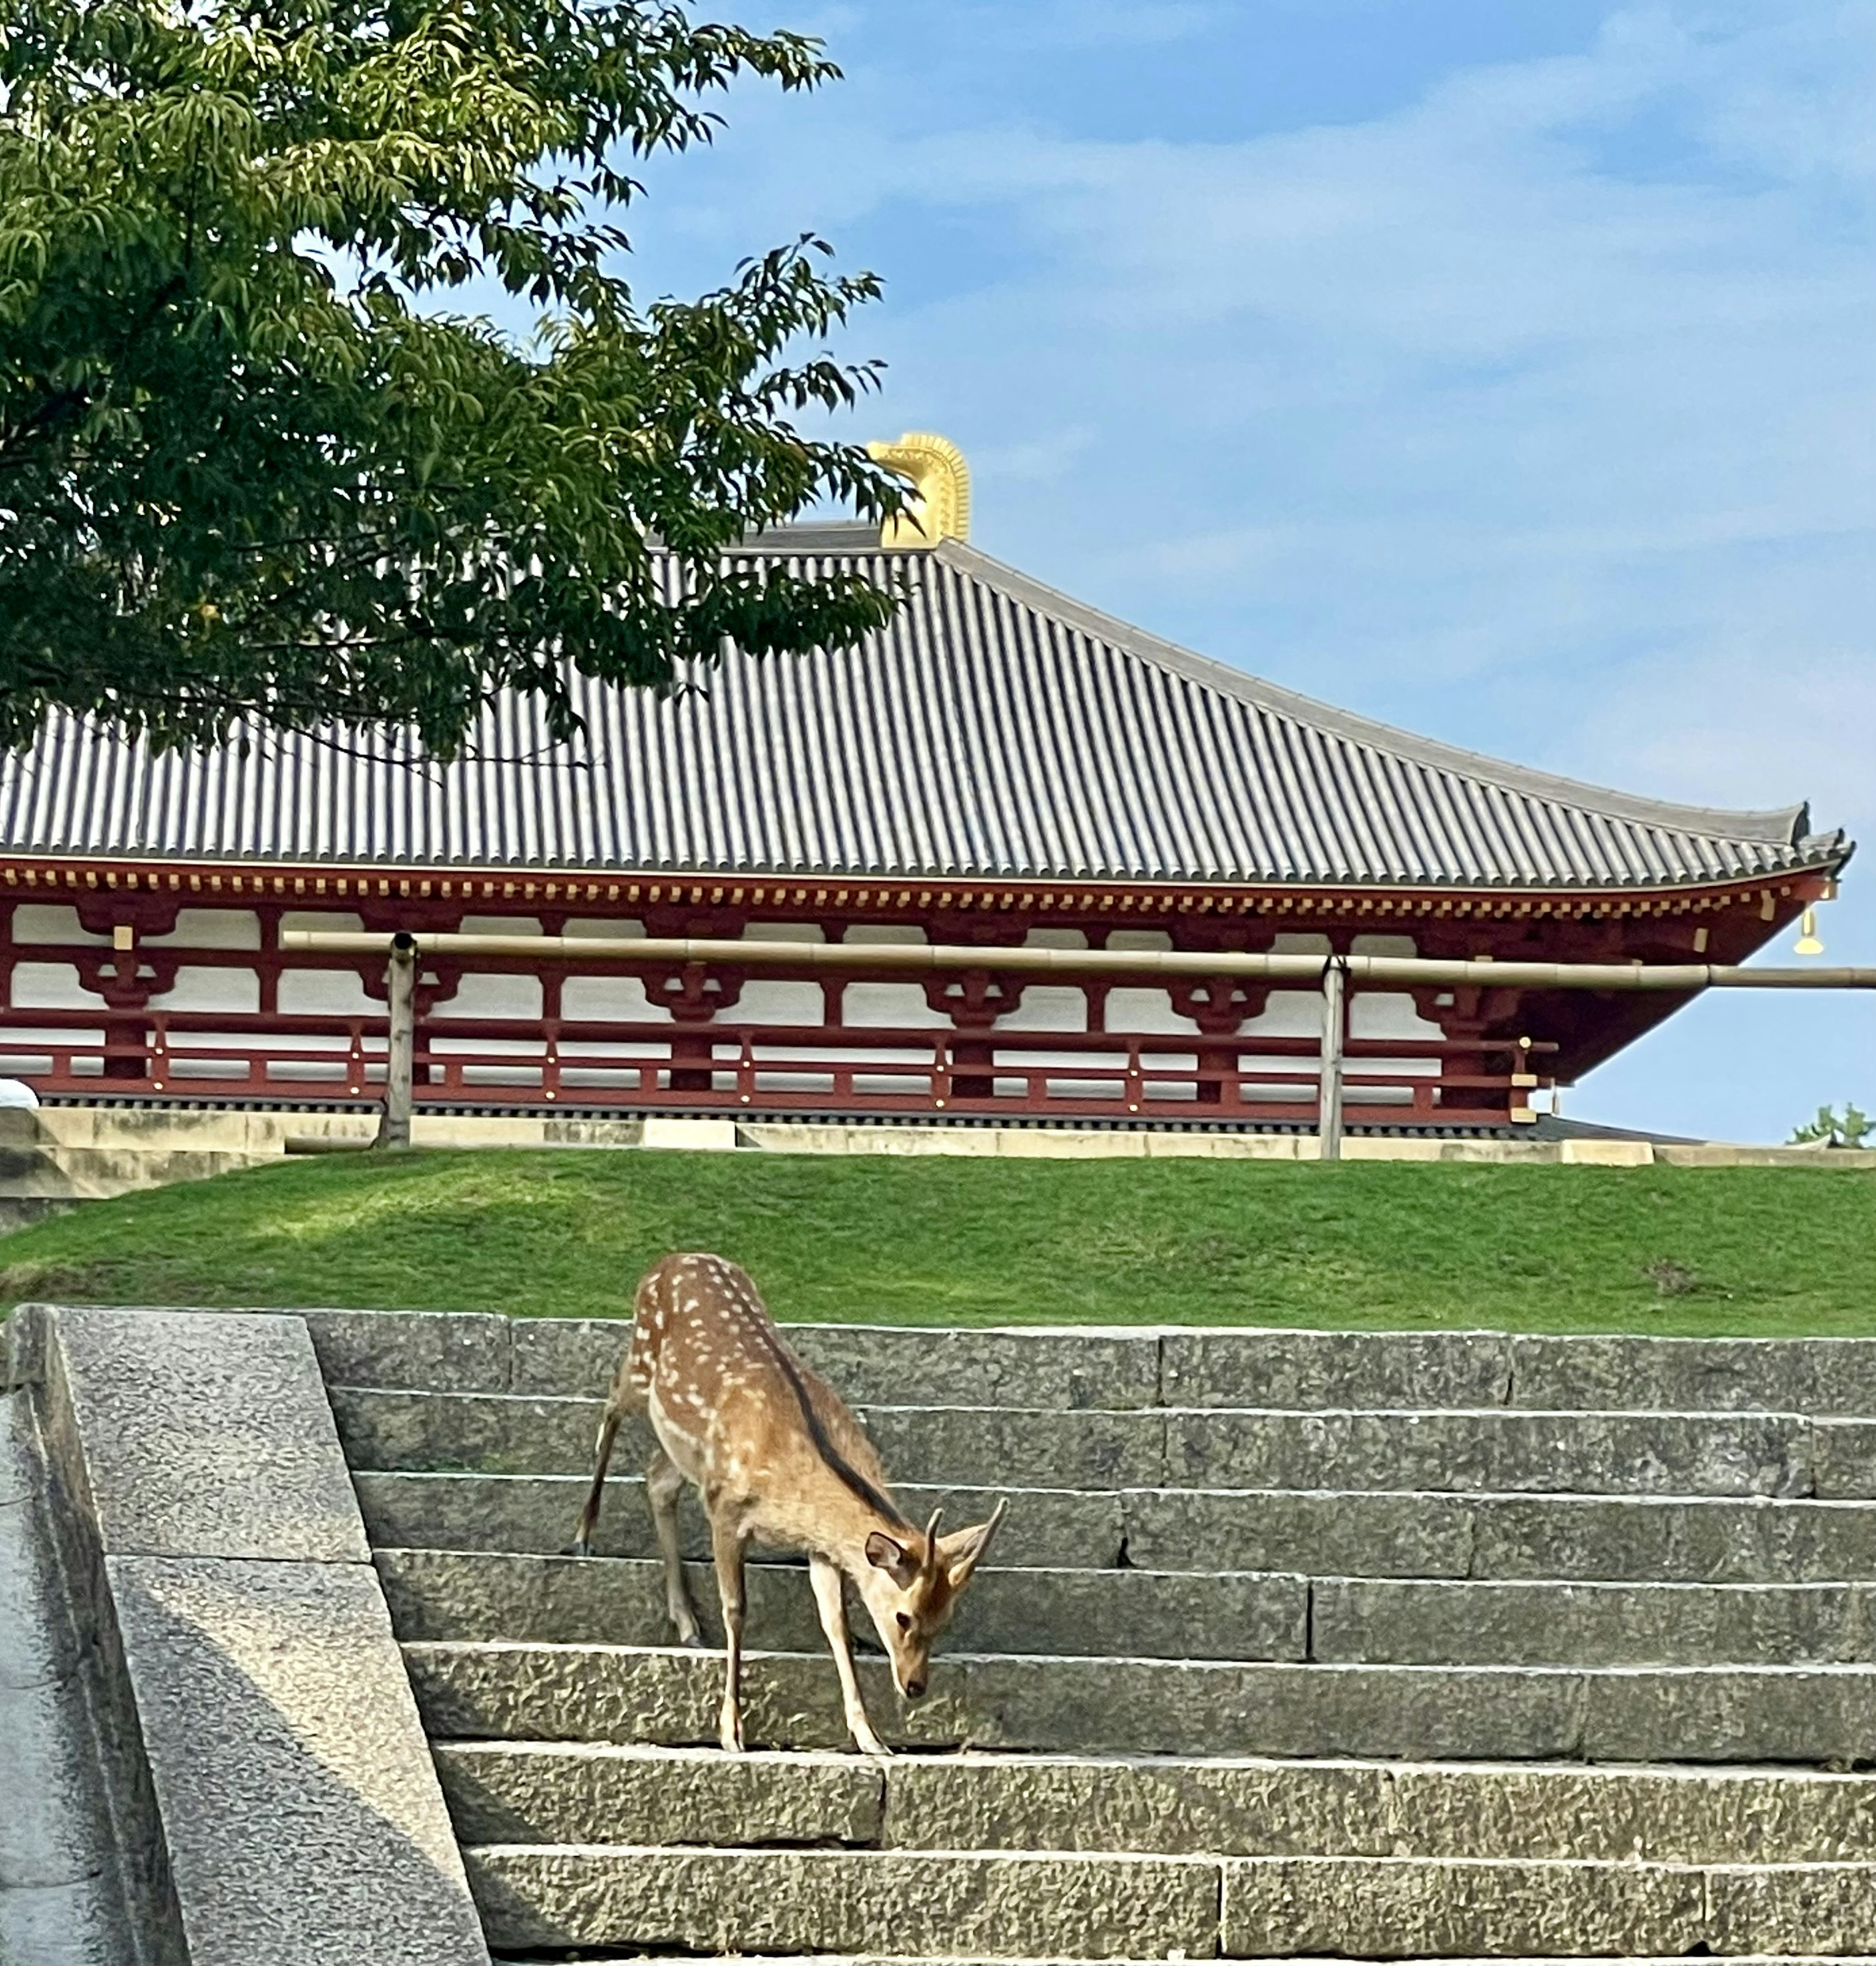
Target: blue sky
<point>1505,369</point>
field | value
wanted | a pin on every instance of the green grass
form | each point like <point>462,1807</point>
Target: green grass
<point>1747,1251</point>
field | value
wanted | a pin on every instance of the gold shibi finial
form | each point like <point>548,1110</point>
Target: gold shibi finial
<point>1807,943</point>
<point>939,507</point>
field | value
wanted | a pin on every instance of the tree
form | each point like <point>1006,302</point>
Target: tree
<point>253,469</point>
<point>1853,1130</point>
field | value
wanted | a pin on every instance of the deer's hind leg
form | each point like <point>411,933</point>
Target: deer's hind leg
<point>663,1485</point>
<point>582,1542</point>
<point>626,1397</point>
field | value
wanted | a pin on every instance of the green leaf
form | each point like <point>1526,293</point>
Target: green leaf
<point>253,469</point>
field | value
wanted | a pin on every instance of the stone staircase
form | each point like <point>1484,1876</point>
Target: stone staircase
<point>1436,1645</point>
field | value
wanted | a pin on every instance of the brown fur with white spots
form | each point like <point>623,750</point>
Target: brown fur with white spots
<point>780,1461</point>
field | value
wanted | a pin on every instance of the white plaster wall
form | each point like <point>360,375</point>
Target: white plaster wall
<point>23,1052</point>
<point>884,933</point>
<point>912,1084</point>
<point>326,993</point>
<point>491,1047</point>
<point>489,996</point>
<point>1287,1013</point>
<point>1048,1007</point>
<point>13,1036</point>
<point>183,1065</point>
<point>500,925</point>
<point>900,1005</point>
<point>1055,938</point>
<point>1381,1013</point>
<point>1139,938</point>
<point>610,1000</point>
<point>198,988</point>
<point>51,986</point>
<point>39,921</point>
<point>330,921</point>
<point>213,928</point>
<point>775,1000</point>
<point>1110,1061</point>
<point>1146,1011</point>
<point>837,1054</point>
<point>786,931</point>
<point>599,925</point>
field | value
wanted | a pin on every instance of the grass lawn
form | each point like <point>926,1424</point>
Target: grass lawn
<point>1748,1251</point>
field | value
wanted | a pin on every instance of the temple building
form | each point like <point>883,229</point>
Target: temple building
<point>1000,765</point>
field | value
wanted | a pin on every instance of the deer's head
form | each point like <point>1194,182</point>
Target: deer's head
<point>911,1585</point>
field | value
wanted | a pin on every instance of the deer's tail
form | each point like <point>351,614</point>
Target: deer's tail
<point>582,1542</point>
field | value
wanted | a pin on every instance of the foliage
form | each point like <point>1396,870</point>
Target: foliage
<point>1854,1129</point>
<point>253,469</point>
<point>1779,1250</point>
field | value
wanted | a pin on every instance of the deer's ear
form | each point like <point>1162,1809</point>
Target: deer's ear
<point>893,1557</point>
<point>961,1552</point>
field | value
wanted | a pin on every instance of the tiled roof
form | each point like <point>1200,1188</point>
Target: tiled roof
<point>994,729</point>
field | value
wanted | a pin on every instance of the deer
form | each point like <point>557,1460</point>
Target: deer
<point>780,1460</point>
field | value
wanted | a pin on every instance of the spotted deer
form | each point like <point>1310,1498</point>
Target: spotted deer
<point>780,1460</point>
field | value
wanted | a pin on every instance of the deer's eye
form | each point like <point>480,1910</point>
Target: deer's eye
<point>905,1623</point>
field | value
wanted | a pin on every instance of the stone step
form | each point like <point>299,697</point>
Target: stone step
<point>1693,1540</point>
<point>1811,1715</point>
<point>1168,1615</point>
<point>588,1958</point>
<point>1108,1906</point>
<point>1452,1451</point>
<point>1138,1613</point>
<point>1134,1367</point>
<point>1061,1528</point>
<point>832,1900</point>
<point>534,1792</point>
<point>1392,1906</point>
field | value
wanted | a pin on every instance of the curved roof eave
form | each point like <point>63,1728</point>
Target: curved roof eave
<point>1786,826</point>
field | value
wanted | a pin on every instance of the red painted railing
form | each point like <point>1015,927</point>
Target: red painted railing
<point>752,1069</point>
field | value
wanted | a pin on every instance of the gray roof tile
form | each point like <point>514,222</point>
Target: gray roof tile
<point>995,729</point>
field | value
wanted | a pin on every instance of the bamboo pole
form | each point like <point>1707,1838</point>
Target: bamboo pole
<point>1329,1083</point>
<point>1306,971</point>
<point>394,1129</point>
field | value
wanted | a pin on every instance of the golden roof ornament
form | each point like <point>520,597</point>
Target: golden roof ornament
<point>939,507</point>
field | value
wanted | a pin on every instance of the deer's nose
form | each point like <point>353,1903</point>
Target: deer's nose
<point>914,1688</point>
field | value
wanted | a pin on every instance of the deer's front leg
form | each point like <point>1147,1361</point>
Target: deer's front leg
<point>663,1485</point>
<point>726,1544</point>
<point>832,1605</point>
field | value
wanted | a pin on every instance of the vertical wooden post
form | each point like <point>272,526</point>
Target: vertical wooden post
<point>1329,1083</point>
<point>394,1130</point>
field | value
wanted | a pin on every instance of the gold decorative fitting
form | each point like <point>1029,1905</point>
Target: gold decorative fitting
<point>939,507</point>
<point>1807,943</point>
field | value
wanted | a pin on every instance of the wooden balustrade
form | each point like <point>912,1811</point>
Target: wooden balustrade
<point>754,1069</point>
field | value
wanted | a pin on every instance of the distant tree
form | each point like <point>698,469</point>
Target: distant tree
<point>1853,1130</point>
<point>254,465</point>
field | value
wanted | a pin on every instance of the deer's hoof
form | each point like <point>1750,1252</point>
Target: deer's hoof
<point>578,1549</point>
<point>693,1639</point>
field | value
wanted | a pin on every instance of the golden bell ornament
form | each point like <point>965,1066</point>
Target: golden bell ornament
<point>1807,943</point>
